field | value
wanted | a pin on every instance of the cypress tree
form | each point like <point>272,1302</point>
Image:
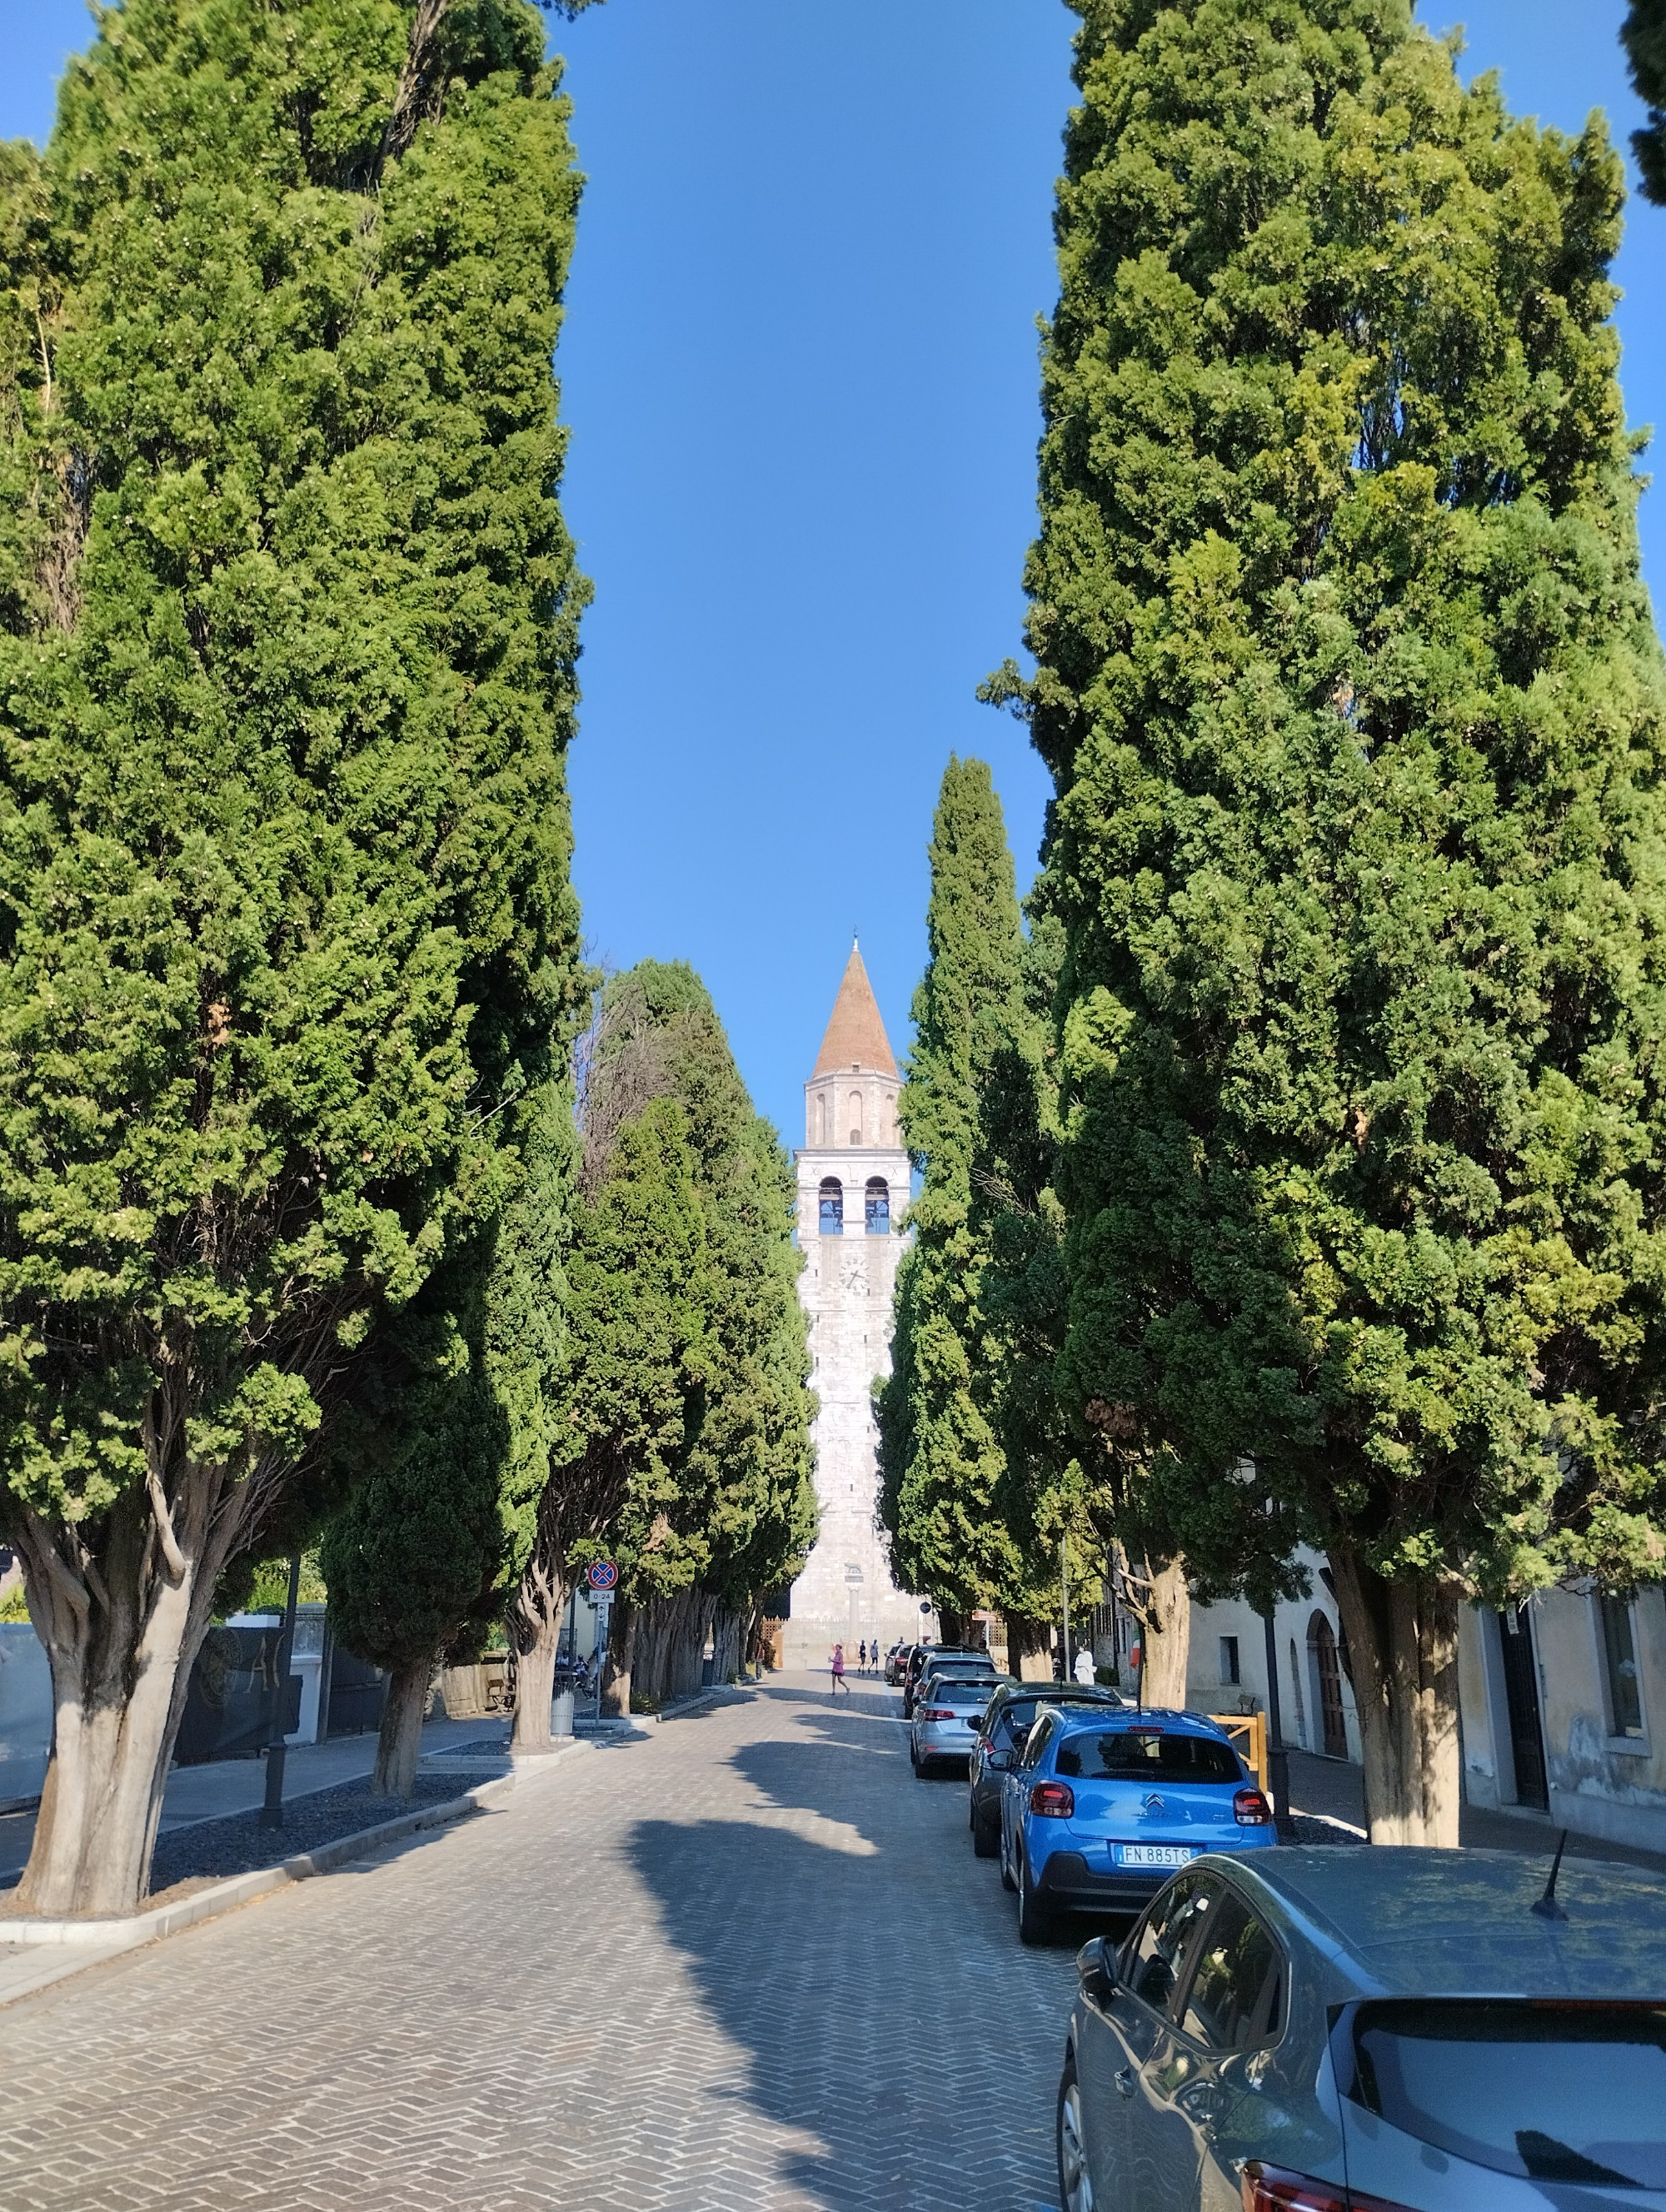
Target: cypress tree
<point>1643,34</point>
<point>941,1459</point>
<point>287,632</point>
<point>1349,685</point>
<point>704,1531</point>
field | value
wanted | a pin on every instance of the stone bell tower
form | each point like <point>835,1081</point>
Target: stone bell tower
<point>853,1186</point>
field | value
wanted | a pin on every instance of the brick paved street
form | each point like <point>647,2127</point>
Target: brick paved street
<point>744,1961</point>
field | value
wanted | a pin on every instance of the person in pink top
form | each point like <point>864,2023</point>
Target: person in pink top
<point>839,1682</point>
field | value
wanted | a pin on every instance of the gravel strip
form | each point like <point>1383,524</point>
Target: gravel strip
<point>238,1844</point>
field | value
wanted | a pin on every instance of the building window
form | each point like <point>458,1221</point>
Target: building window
<point>878,1213</point>
<point>832,1206</point>
<point>1619,1656</point>
<point>856,1117</point>
<point>1229,1660</point>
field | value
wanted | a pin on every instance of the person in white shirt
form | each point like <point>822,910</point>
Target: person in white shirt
<point>1083,1669</point>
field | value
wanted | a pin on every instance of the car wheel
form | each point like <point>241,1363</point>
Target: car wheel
<point>1034,1921</point>
<point>1007,1880</point>
<point>921,1767</point>
<point>1075,2184</point>
<point>986,1838</point>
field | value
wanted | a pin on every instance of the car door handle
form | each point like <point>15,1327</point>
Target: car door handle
<point>1124,2080</point>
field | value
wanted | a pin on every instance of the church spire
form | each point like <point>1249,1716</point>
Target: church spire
<point>855,1035</point>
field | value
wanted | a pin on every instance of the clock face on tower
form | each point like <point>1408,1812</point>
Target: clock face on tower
<point>854,1274</point>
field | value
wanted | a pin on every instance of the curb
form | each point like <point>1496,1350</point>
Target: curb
<point>127,1935</point>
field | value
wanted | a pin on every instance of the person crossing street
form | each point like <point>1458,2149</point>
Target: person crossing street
<point>839,1681</point>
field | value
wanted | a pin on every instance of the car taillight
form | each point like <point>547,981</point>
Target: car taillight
<point>937,1712</point>
<point>1270,2189</point>
<point>1053,1801</point>
<point>1251,1809</point>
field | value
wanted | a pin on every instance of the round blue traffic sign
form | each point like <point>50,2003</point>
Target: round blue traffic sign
<point>602,1575</point>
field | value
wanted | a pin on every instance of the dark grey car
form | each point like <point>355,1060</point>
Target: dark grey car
<point>1349,2030</point>
<point>1000,1738</point>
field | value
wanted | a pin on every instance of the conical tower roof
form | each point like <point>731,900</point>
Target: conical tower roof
<point>855,1035</point>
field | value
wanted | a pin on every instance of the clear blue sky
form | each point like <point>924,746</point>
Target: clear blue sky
<point>799,366</point>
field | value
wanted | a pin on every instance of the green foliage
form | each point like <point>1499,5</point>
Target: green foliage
<point>689,1357</point>
<point>254,1585</point>
<point>414,1557</point>
<point>14,1605</point>
<point>1643,34</point>
<point>289,630</point>
<point>946,1497</point>
<point>1348,685</point>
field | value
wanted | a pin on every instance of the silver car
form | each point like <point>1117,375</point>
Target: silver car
<point>948,1709</point>
<point>1349,2030</point>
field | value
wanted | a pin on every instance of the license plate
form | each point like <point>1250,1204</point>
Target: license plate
<point>1154,1855</point>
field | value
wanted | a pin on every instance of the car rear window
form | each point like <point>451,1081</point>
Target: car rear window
<point>1147,1754</point>
<point>1549,2091</point>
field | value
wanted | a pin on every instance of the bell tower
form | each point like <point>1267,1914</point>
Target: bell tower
<point>852,1177</point>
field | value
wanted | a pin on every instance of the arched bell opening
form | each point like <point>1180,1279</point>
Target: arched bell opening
<point>831,1207</point>
<point>877,1206</point>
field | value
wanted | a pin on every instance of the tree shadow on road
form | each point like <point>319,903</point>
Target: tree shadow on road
<point>902,2050</point>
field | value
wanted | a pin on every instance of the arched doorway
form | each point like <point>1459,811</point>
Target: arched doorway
<point>1327,1687</point>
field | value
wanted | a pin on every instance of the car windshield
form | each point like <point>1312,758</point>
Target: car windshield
<point>1147,1754</point>
<point>1549,2092</point>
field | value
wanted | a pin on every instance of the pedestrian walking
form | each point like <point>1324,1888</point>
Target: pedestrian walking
<point>862,1656</point>
<point>839,1681</point>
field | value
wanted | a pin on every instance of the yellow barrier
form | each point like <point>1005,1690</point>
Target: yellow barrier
<point>1249,1734</point>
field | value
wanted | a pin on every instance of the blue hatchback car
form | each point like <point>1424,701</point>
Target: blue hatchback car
<point>1103,1807</point>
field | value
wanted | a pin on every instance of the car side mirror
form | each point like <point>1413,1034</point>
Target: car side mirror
<point>1096,1969</point>
<point>1000,1761</point>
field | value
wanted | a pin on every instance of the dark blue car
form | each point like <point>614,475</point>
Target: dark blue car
<point>1103,1807</point>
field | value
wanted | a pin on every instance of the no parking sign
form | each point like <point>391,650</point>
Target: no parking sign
<point>602,1575</point>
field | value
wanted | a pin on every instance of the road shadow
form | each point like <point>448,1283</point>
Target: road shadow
<point>839,1968</point>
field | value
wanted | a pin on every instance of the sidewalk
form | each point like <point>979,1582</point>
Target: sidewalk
<point>1333,1789</point>
<point>238,1785</point>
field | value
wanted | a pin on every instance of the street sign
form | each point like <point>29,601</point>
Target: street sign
<point>602,1575</point>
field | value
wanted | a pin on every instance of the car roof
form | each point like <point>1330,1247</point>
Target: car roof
<point>1160,1722</point>
<point>1069,1693</point>
<point>1414,1921</point>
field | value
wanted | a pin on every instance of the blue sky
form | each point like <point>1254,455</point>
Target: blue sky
<point>800,368</point>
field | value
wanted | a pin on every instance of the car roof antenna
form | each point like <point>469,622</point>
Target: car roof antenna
<point>1545,1906</point>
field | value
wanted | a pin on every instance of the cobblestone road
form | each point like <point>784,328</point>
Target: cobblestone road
<point>742,1962</point>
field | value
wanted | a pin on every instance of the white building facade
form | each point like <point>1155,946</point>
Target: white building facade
<point>852,1185</point>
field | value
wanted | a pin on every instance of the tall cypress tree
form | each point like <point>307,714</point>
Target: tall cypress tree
<point>1643,34</point>
<point>1349,685</point>
<point>941,1459</point>
<point>287,633</point>
<point>729,1514</point>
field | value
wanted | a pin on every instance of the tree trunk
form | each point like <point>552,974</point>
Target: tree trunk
<point>539,1603</point>
<point>400,1736</point>
<point>953,1624</point>
<point>1028,1649</point>
<point>1403,1650</point>
<point>728,1642</point>
<point>1165,1637</point>
<point>535,1690</point>
<point>120,1631</point>
<point>621,1656</point>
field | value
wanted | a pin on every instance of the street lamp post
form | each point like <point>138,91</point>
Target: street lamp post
<point>271,1812</point>
<point>1278,1759</point>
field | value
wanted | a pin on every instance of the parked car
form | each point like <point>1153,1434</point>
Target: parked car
<point>895,1659</point>
<point>1000,1740</point>
<point>1373,2031</point>
<point>935,1656</point>
<point>950,1670</point>
<point>1101,1808</point>
<point>948,1709</point>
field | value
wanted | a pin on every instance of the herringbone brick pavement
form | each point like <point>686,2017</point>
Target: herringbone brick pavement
<point>743,1964</point>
